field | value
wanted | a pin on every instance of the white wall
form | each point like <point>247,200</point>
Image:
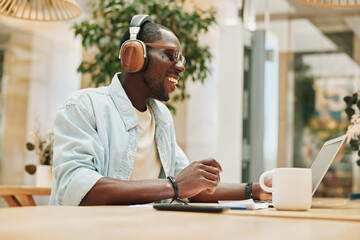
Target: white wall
<point>52,57</point>
<point>55,58</point>
<point>214,110</point>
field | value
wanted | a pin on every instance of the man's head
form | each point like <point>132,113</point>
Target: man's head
<point>149,33</point>
<point>165,60</point>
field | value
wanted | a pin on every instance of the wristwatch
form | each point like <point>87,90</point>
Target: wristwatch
<point>248,190</point>
<point>175,186</point>
<point>176,190</point>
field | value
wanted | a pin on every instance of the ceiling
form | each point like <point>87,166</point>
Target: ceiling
<point>327,34</point>
<point>327,20</point>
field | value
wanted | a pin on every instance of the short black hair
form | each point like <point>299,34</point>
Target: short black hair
<point>149,33</point>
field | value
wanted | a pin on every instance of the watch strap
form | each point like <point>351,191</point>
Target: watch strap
<point>175,186</point>
<point>248,190</point>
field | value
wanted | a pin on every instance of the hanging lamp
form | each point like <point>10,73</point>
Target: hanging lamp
<point>40,10</point>
<point>332,3</point>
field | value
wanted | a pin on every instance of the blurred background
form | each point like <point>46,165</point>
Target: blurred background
<point>279,72</point>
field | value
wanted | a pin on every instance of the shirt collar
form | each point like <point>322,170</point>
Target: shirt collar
<point>123,103</point>
<point>126,109</point>
<point>160,121</point>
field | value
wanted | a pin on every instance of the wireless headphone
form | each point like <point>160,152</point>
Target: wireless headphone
<point>133,53</point>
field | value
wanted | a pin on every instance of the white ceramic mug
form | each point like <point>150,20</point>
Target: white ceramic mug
<point>291,188</point>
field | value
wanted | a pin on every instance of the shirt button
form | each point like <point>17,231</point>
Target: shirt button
<point>130,156</point>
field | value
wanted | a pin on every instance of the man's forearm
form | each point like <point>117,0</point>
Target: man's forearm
<point>226,191</point>
<point>109,191</point>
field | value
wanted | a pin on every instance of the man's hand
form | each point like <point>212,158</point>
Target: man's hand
<point>199,176</point>
<point>260,194</point>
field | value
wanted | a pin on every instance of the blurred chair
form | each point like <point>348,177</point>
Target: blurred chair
<point>21,196</point>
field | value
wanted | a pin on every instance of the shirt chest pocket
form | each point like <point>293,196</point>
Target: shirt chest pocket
<point>122,154</point>
<point>164,146</point>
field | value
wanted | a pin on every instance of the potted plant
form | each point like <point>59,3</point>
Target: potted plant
<point>43,146</point>
<point>110,19</point>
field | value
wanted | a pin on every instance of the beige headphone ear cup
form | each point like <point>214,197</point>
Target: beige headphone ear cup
<point>132,56</point>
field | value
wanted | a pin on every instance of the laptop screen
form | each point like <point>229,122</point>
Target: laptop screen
<point>324,159</point>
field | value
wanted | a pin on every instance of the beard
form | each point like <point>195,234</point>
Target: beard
<point>157,89</point>
<point>155,85</point>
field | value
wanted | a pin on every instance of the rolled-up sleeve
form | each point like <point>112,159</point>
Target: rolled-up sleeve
<point>181,160</point>
<point>179,157</point>
<point>78,155</point>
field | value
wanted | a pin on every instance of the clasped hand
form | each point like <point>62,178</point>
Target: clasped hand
<point>199,176</point>
<point>204,175</point>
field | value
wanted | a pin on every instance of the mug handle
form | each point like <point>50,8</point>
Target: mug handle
<point>262,179</point>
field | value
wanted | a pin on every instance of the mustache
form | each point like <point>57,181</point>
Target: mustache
<point>175,74</point>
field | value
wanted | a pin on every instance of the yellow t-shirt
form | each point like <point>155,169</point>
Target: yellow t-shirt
<point>147,163</point>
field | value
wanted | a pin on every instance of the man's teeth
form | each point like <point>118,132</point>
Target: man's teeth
<point>173,80</point>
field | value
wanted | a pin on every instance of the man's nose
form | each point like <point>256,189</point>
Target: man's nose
<point>180,67</point>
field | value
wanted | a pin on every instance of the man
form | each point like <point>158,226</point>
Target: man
<point>117,145</point>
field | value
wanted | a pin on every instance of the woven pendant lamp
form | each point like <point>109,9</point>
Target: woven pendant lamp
<point>332,3</point>
<point>40,10</point>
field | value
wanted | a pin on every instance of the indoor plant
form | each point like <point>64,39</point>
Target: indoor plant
<point>110,19</point>
<point>354,118</point>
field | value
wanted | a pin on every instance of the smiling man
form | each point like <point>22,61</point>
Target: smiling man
<point>117,145</point>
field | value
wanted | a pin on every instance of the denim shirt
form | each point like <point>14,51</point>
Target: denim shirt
<point>96,136</point>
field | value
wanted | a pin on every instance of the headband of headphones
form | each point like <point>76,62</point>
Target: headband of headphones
<point>136,23</point>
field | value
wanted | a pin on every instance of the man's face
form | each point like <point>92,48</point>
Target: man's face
<point>162,72</point>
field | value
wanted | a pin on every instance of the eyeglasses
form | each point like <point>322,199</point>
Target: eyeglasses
<point>177,54</point>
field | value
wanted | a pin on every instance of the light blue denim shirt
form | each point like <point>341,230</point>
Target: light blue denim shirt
<point>96,136</point>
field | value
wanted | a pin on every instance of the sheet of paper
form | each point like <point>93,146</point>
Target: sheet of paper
<point>249,204</point>
<point>141,206</point>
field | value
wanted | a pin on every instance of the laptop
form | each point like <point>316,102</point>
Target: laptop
<point>328,153</point>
